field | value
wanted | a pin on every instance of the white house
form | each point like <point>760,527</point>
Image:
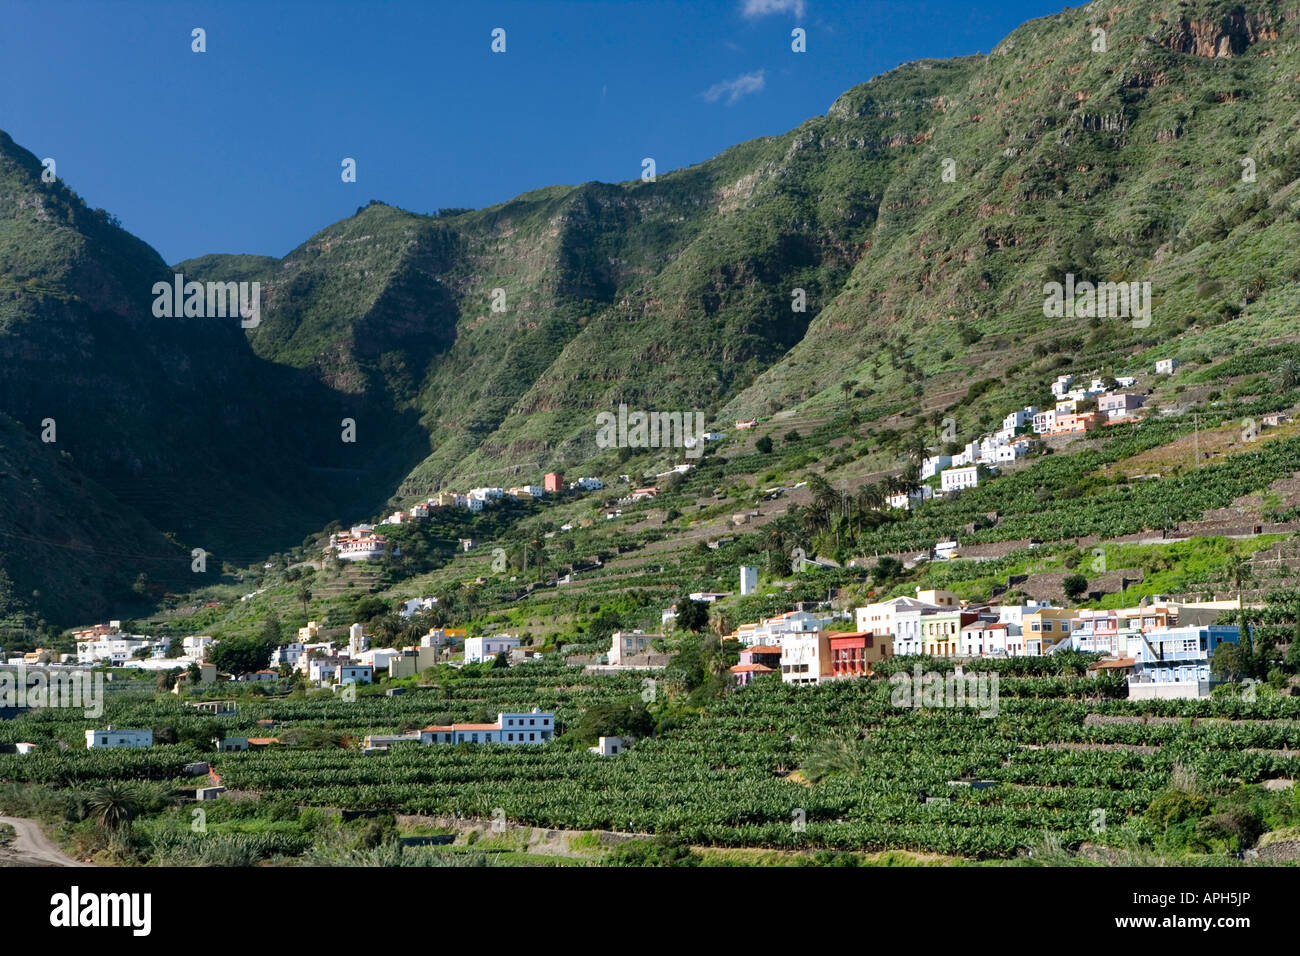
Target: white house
<point>955,479</point>
<point>511,729</point>
<point>321,670</point>
<point>806,658</point>
<point>196,646</point>
<point>359,544</point>
<point>355,673</point>
<point>587,484</point>
<point>288,654</point>
<point>1019,419</point>
<point>773,631</point>
<point>112,737</point>
<point>377,657</point>
<point>1013,451</point>
<point>967,456</point>
<point>934,464</point>
<point>748,580</point>
<point>985,638</point>
<point>115,651</point>
<point>909,628</point>
<point>879,617</point>
<point>1167,366</point>
<point>907,499</point>
<point>1062,385</point>
<point>479,649</point>
<point>611,746</point>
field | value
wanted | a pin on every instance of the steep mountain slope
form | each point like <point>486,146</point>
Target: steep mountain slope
<point>1124,165</point>
<point>920,217</point>
<point>177,421</point>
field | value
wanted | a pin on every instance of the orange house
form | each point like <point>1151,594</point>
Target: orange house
<point>853,654</point>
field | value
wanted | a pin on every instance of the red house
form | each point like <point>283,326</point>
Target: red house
<point>853,654</point>
<point>553,482</point>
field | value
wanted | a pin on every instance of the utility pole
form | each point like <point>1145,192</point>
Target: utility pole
<point>1196,427</point>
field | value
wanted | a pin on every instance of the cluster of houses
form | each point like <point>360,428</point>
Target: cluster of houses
<point>1021,433</point>
<point>1164,647</point>
<point>363,543</point>
<point>107,645</point>
<point>327,664</point>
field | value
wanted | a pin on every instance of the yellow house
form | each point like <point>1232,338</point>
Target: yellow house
<point>937,597</point>
<point>1047,627</point>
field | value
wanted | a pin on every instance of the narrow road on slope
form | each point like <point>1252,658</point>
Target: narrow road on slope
<point>30,847</point>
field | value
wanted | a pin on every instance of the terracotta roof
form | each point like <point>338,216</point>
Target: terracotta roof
<point>263,741</point>
<point>476,726</point>
<point>1111,664</point>
<point>765,649</point>
<point>750,669</point>
<point>435,728</point>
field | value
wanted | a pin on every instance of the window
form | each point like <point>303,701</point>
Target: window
<point>511,737</point>
<point>532,736</point>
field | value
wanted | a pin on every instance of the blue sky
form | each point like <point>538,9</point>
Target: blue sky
<point>238,149</point>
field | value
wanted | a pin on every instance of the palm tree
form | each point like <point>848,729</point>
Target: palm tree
<point>114,804</point>
<point>1240,571</point>
<point>915,449</point>
<point>304,595</point>
<point>847,388</point>
<point>1288,375</point>
<point>842,754</point>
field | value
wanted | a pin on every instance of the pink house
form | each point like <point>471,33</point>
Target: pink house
<point>756,660</point>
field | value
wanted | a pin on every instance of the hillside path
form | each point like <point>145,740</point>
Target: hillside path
<point>32,847</point>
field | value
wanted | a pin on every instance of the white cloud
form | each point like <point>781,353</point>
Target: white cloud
<point>753,9</point>
<point>733,90</point>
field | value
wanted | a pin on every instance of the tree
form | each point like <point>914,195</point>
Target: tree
<point>114,804</point>
<point>1230,662</point>
<point>764,445</point>
<point>304,595</point>
<point>242,655</point>
<point>613,719</point>
<point>1287,375</point>
<point>692,615</point>
<point>271,629</point>
<point>1075,585</point>
<point>604,624</point>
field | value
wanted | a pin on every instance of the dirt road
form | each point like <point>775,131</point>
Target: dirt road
<point>30,847</point>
